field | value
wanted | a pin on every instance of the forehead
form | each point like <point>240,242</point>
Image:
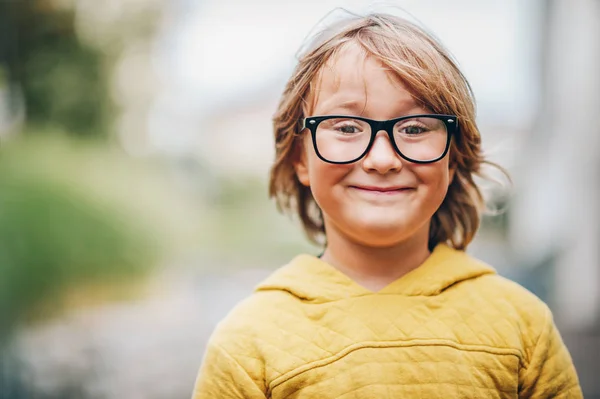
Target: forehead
<point>353,79</point>
<point>351,65</point>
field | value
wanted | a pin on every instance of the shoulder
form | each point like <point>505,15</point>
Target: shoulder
<point>501,290</point>
<point>253,314</point>
<point>253,323</point>
<point>546,366</point>
<point>513,309</point>
<point>247,337</point>
<point>474,282</point>
<point>235,354</point>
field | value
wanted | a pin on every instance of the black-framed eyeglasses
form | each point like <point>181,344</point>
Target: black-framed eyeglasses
<point>342,139</point>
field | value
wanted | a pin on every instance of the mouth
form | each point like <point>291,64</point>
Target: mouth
<point>390,190</point>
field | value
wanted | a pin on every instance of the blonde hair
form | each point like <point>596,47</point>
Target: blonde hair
<point>431,75</point>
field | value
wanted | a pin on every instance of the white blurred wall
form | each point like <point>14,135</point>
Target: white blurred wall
<point>557,209</point>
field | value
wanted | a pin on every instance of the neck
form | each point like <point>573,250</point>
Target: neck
<point>376,267</point>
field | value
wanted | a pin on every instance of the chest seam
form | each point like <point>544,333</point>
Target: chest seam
<point>393,344</point>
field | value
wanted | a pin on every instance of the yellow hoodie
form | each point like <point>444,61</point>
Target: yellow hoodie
<point>452,328</point>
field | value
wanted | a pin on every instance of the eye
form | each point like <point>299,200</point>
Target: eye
<point>413,129</point>
<point>343,127</point>
<point>348,129</point>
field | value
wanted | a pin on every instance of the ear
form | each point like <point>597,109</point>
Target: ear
<point>301,165</point>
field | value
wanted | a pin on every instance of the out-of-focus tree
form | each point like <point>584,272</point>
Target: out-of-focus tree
<point>61,59</point>
<point>53,238</point>
<point>61,242</point>
<point>60,247</point>
<point>62,82</point>
<point>57,58</point>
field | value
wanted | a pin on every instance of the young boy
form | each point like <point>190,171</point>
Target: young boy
<point>376,149</point>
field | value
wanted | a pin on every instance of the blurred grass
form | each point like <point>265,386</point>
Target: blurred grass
<point>141,189</point>
<point>248,228</point>
<point>80,223</point>
<point>52,236</point>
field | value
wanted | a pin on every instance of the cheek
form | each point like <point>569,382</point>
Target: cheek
<point>325,178</point>
<point>323,174</point>
<point>435,178</point>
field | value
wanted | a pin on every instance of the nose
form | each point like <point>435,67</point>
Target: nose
<point>382,157</point>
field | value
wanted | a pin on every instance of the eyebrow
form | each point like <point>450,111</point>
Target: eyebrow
<point>355,106</point>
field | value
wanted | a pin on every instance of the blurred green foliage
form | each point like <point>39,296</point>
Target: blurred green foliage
<point>3,77</point>
<point>63,83</point>
<point>79,223</point>
<point>53,236</point>
<point>247,227</point>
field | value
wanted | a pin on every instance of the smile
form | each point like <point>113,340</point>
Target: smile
<point>382,190</point>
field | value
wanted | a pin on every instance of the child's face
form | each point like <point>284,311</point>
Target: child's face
<point>353,84</point>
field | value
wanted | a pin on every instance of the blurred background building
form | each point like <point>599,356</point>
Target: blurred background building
<point>135,144</point>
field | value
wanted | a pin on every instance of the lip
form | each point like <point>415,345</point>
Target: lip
<point>382,189</point>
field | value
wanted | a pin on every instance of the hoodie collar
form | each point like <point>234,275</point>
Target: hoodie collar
<point>311,279</point>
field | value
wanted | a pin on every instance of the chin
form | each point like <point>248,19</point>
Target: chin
<point>379,241</point>
<point>384,234</point>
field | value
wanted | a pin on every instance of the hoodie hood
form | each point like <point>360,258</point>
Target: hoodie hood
<point>311,279</point>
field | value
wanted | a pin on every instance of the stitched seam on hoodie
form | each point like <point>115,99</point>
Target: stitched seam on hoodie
<point>393,344</point>
<point>234,360</point>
